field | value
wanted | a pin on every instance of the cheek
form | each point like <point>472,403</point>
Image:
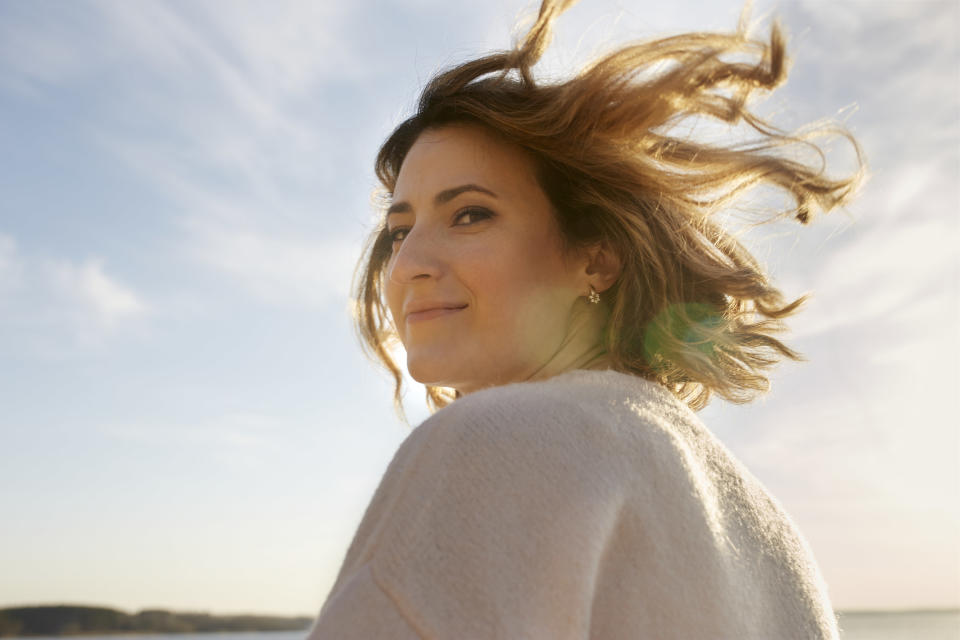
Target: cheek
<point>527,294</point>
<point>394,297</point>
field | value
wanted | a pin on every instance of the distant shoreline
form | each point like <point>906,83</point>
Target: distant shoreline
<point>119,633</point>
<point>77,620</point>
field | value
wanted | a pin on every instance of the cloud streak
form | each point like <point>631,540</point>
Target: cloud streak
<point>277,269</point>
<point>241,162</point>
<point>54,303</point>
<point>90,286</point>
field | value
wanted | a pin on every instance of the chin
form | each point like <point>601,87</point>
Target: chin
<point>433,372</point>
<point>442,372</point>
<point>465,379</point>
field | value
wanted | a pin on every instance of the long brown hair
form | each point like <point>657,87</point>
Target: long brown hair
<point>692,309</point>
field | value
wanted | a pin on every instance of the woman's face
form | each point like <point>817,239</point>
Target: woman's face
<point>478,284</point>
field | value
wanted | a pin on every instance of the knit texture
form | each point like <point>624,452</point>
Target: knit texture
<point>593,505</point>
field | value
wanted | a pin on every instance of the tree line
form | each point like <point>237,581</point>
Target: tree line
<point>64,620</point>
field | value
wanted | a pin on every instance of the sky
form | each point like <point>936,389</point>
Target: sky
<point>186,418</point>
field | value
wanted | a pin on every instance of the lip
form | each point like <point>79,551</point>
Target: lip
<point>422,313</point>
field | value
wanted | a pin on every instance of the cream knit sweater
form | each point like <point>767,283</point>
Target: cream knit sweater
<point>593,505</point>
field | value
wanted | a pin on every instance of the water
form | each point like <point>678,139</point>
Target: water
<point>907,625</point>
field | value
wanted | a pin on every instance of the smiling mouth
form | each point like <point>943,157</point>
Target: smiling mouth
<point>430,314</point>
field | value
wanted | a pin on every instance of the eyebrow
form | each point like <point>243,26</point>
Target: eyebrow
<point>441,198</point>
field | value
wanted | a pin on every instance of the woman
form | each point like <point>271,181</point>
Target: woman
<point>549,262</point>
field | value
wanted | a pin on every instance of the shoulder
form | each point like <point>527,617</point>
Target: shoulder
<point>523,405</point>
<point>568,401</point>
<point>577,418</point>
<point>524,410</point>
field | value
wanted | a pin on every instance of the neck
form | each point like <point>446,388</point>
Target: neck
<point>582,346</point>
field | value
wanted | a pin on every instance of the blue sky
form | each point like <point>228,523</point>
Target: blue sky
<point>187,420</point>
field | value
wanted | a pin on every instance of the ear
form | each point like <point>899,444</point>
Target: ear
<point>603,266</point>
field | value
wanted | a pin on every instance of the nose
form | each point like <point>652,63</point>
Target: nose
<point>419,256</point>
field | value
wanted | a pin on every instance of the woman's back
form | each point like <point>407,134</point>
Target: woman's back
<point>590,505</point>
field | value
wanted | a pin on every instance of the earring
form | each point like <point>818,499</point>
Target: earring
<point>594,297</point>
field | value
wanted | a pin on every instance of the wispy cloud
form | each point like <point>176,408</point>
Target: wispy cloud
<point>241,161</point>
<point>49,304</point>
<point>913,48</point>
<point>89,285</point>
<point>218,112</point>
<point>195,55</point>
<point>887,268</point>
<point>900,250</point>
<point>277,269</point>
<point>40,48</point>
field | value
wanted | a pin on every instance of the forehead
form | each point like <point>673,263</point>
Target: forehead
<point>461,154</point>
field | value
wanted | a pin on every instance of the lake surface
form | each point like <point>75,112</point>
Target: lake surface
<point>911,625</point>
<point>908,625</point>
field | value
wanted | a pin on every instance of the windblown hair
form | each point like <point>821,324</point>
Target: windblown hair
<point>692,309</point>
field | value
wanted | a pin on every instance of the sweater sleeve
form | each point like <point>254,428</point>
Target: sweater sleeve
<point>361,610</point>
<point>497,530</point>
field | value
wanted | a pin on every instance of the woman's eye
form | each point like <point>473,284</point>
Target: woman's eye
<point>398,234</point>
<point>472,215</point>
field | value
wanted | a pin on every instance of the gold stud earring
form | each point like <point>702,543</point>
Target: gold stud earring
<point>594,297</point>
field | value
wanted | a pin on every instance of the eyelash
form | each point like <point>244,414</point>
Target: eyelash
<point>484,214</point>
